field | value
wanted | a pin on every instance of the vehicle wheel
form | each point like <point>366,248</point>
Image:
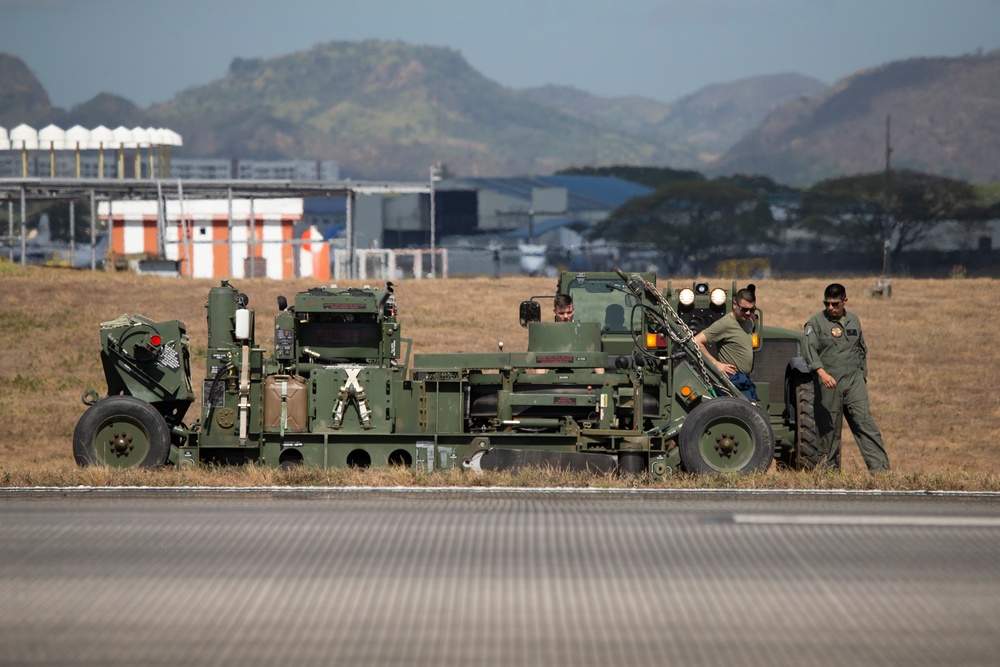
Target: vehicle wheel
<point>121,432</point>
<point>807,454</point>
<point>726,435</point>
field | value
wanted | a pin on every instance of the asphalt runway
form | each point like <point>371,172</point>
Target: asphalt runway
<point>497,577</point>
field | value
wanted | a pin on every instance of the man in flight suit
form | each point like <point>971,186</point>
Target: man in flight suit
<point>836,353</point>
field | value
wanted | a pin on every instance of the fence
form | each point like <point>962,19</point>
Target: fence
<point>386,264</point>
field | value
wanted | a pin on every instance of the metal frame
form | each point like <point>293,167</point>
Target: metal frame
<point>94,189</point>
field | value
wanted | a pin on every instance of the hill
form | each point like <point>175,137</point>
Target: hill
<point>105,106</point>
<point>381,109</point>
<point>944,120</point>
<point>712,119</point>
<point>389,109</point>
<point>22,97</point>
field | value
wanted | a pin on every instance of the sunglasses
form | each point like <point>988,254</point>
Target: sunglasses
<point>745,310</point>
<point>832,304</point>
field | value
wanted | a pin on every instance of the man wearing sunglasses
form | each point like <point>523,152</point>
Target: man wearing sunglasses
<point>837,355</point>
<point>733,337</point>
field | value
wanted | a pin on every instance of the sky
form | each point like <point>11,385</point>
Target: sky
<point>150,50</point>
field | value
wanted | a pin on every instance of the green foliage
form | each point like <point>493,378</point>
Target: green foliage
<point>692,220</point>
<point>20,324</point>
<point>870,211</point>
<point>25,384</point>
<point>988,197</point>
<point>8,268</point>
<point>653,177</point>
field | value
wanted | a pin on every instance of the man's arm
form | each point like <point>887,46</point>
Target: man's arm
<point>864,350</point>
<point>813,358</point>
<point>702,341</point>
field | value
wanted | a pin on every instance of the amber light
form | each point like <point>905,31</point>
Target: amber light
<point>756,340</point>
<point>656,340</point>
<point>685,391</point>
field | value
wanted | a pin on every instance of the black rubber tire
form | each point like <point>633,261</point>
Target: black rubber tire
<point>121,432</point>
<point>807,454</point>
<point>726,435</point>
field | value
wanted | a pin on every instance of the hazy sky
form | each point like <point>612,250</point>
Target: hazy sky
<point>149,50</point>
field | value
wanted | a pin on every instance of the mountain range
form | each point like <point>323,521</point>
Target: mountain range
<point>389,110</point>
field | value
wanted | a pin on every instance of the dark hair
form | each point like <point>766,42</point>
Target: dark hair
<point>835,291</point>
<point>745,295</point>
<point>563,301</point>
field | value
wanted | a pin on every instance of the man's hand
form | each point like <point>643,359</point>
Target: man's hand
<point>728,369</point>
<point>826,379</point>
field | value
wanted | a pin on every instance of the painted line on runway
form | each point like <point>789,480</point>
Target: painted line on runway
<point>867,520</point>
<point>485,490</point>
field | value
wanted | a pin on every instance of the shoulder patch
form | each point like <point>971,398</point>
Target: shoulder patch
<point>808,329</point>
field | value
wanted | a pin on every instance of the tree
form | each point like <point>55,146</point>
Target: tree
<point>653,177</point>
<point>692,220</point>
<point>872,212</point>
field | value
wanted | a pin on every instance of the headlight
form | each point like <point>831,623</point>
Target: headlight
<point>686,296</point>
<point>718,296</point>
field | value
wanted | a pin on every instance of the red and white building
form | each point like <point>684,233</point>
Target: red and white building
<point>198,235</point>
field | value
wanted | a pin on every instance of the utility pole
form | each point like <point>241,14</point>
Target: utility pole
<point>435,177</point>
<point>889,226</point>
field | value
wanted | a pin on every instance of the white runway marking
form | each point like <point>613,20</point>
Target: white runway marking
<point>867,520</point>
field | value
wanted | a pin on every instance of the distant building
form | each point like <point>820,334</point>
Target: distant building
<point>255,170</point>
<point>197,235</point>
<point>486,222</point>
<point>201,169</point>
<point>208,169</point>
<point>287,170</point>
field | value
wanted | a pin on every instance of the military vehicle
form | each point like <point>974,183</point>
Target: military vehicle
<point>623,388</point>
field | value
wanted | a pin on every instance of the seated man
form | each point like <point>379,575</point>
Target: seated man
<point>563,310</point>
<point>733,337</point>
<point>562,306</point>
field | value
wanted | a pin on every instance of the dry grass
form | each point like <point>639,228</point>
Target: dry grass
<point>932,373</point>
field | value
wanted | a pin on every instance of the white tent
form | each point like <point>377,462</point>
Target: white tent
<point>78,137</point>
<point>171,138</point>
<point>24,137</point>
<point>124,137</point>
<point>52,137</point>
<point>102,137</point>
<point>140,136</point>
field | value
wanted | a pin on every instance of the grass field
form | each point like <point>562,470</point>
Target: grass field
<point>934,363</point>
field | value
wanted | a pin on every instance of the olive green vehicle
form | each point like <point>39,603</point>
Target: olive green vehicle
<point>624,387</point>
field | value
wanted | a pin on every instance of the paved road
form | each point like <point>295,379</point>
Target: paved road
<point>498,578</point>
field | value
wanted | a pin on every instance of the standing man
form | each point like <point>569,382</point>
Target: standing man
<point>837,355</point>
<point>563,308</point>
<point>733,337</point>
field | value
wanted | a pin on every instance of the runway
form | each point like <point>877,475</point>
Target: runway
<point>497,577</point>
